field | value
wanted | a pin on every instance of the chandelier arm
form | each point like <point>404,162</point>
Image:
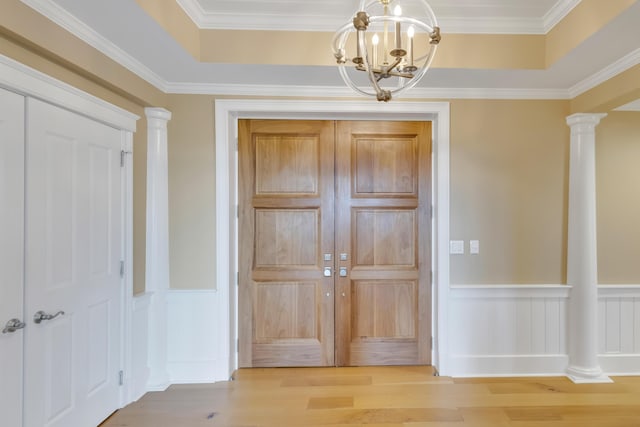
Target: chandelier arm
<point>343,73</point>
<point>367,66</point>
<point>411,83</point>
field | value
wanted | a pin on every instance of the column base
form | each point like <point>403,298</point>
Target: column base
<point>581,375</point>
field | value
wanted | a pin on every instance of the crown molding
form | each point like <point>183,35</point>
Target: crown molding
<point>459,25</point>
<point>623,64</point>
<point>345,92</point>
<point>69,22</point>
<point>557,13</point>
<point>632,106</point>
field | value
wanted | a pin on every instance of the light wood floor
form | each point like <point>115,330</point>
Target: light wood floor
<point>385,397</point>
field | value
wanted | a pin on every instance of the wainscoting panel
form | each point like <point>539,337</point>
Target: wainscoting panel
<point>508,330</point>
<point>494,330</point>
<point>195,338</point>
<point>619,329</point>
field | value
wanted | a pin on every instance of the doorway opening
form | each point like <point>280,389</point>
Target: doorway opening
<point>227,114</point>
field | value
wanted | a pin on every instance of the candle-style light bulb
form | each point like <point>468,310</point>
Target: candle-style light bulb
<point>397,11</point>
<point>410,34</point>
<point>374,41</point>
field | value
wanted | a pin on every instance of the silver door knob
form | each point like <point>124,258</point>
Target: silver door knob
<point>343,271</point>
<point>41,315</point>
<point>13,325</point>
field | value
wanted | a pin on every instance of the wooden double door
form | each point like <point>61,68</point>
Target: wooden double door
<point>334,243</point>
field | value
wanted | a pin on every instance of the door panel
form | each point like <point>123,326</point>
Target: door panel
<point>377,187</point>
<point>73,247</point>
<point>11,253</point>
<point>383,225</point>
<point>285,226</point>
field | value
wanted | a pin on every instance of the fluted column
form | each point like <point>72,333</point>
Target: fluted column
<point>582,257</point>
<point>157,244</point>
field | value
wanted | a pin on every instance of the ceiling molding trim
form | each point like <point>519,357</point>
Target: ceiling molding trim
<point>69,22</point>
<point>610,71</point>
<point>193,11</point>
<point>632,106</point>
<point>557,13</point>
<point>283,22</point>
<point>344,92</point>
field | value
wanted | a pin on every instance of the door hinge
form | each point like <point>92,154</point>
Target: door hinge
<point>123,153</point>
<point>121,269</point>
<point>121,378</point>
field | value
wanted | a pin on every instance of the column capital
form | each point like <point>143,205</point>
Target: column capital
<point>585,119</point>
<point>157,113</point>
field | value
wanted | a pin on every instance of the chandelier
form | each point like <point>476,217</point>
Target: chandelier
<point>384,49</point>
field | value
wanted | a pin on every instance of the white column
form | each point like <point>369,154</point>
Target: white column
<point>582,256</point>
<point>157,245</point>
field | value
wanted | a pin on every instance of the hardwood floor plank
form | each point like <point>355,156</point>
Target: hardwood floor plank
<point>384,397</point>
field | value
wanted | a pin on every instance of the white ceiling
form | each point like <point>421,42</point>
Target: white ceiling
<point>125,32</point>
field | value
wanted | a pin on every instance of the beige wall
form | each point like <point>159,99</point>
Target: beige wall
<point>509,163</point>
<point>618,198</point>
<point>192,192</point>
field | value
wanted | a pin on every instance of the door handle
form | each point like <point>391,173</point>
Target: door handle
<point>13,325</point>
<point>343,271</point>
<point>41,315</point>
<point>327,272</point>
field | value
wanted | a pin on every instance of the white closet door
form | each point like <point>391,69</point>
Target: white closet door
<point>73,252</point>
<point>11,254</point>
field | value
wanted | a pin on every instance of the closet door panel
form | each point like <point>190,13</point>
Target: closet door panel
<point>73,252</point>
<point>11,253</point>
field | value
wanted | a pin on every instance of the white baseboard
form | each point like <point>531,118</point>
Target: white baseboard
<point>511,365</point>
<point>620,364</point>
<point>197,371</point>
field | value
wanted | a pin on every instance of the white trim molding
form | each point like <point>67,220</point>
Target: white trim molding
<point>227,113</point>
<point>25,80</point>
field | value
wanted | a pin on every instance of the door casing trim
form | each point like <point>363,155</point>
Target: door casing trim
<point>227,114</point>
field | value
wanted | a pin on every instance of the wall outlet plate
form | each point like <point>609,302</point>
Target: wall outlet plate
<point>456,247</point>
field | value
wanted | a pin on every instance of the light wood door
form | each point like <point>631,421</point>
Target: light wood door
<point>383,229</point>
<point>350,197</point>
<point>11,254</point>
<point>73,251</point>
<point>286,196</point>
